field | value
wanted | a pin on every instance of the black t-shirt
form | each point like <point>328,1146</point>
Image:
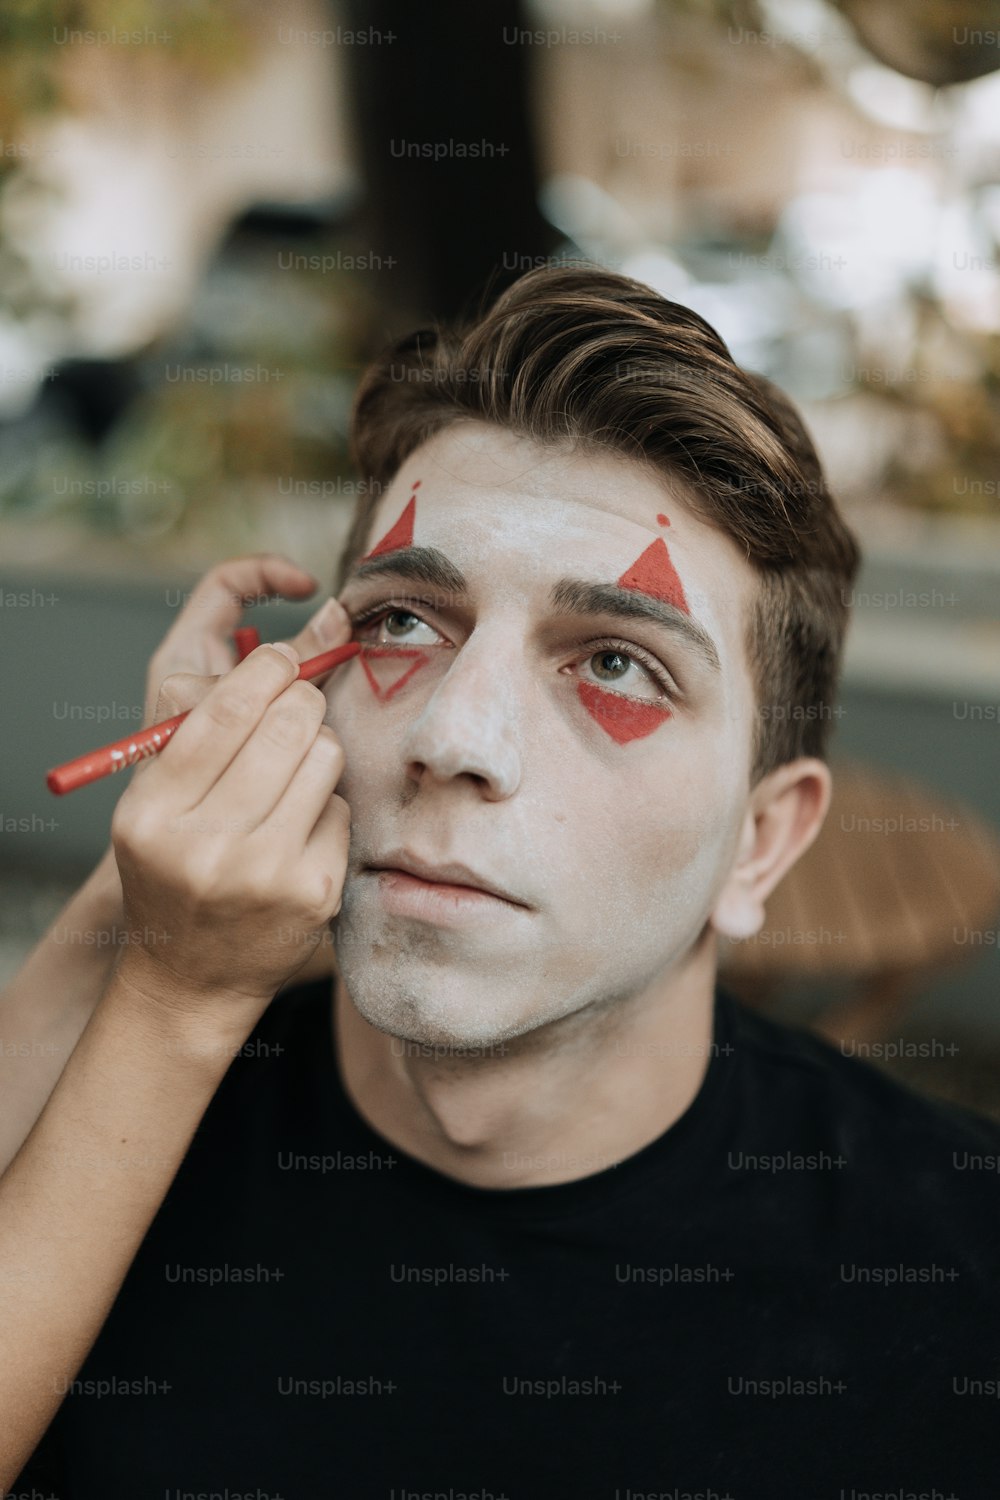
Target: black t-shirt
<point>790,1294</point>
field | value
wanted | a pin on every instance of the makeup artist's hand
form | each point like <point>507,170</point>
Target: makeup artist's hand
<point>198,648</point>
<point>232,845</point>
<point>200,639</point>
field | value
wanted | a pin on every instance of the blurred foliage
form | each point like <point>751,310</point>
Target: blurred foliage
<point>207,447</point>
<point>259,393</point>
<point>248,402</point>
<point>962,471</point>
<point>204,36</point>
<point>38,80</point>
<point>207,37</point>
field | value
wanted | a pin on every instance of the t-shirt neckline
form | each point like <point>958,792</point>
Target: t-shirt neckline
<point>668,1156</point>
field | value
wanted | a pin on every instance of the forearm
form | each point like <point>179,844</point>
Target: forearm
<point>77,1200</point>
<point>48,1002</point>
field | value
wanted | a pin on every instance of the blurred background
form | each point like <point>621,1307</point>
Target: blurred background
<point>212,214</point>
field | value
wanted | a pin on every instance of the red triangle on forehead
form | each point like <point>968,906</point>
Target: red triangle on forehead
<point>399,535</point>
<point>653,573</point>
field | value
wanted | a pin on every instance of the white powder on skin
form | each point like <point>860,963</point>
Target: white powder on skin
<point>486,755</point>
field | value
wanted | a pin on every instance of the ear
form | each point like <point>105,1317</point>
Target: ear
<point>783,817</point>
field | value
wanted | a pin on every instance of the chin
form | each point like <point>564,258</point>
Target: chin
<point>429,1019</point>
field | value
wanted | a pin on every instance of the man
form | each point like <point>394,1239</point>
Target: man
<point>532,1208</point>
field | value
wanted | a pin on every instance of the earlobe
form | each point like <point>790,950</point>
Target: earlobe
<point>784,815</point>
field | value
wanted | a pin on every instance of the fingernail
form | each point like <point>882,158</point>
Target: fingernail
<point>328,622</point>
<point>285,649</point>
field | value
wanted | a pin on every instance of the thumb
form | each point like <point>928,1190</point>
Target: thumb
<point>179,693</point>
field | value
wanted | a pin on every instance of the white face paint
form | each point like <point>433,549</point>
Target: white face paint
<point>488,754</point>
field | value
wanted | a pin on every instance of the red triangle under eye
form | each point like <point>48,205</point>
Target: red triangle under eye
<point>653,573</point>
<point>617,716</point>
<point>382,682</point>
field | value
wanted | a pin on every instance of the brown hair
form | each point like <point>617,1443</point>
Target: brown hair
<point>588,355</point>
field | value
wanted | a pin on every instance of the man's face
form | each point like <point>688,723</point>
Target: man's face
<point>513,735</point>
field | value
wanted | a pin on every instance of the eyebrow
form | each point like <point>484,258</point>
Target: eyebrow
<point>573,596</point>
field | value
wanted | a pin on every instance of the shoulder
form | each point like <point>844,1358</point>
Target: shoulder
<point>846,1086</point>
<point>907,1156</point>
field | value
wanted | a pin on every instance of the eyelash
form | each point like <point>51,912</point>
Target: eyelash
<point>375,612</point>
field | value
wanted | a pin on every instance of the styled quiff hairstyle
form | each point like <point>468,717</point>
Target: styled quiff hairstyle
<point>587,355</point>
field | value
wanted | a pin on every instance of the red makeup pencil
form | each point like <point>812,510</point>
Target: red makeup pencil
<point>122,753</point>
<point>246,638</point>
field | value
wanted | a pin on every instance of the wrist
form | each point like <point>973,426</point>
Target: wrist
<point>205,1023</point>
<point>82,939</point>
<point>100,896</point>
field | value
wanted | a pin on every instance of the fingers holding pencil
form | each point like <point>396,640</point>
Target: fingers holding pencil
<point>241,891</point>
<point>329,626</point>
<point>181,691</point>
<point>217,727</point>
<point>207,633</point>
<point>117,756</point>
<point>201,639</point>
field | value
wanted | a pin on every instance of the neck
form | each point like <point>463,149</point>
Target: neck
<point>563,1102</point>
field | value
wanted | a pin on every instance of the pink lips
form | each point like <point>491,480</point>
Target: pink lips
<point>439,902</point>
<point>451,875</point>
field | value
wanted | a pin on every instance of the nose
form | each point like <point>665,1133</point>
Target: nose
<point>471,724</point>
